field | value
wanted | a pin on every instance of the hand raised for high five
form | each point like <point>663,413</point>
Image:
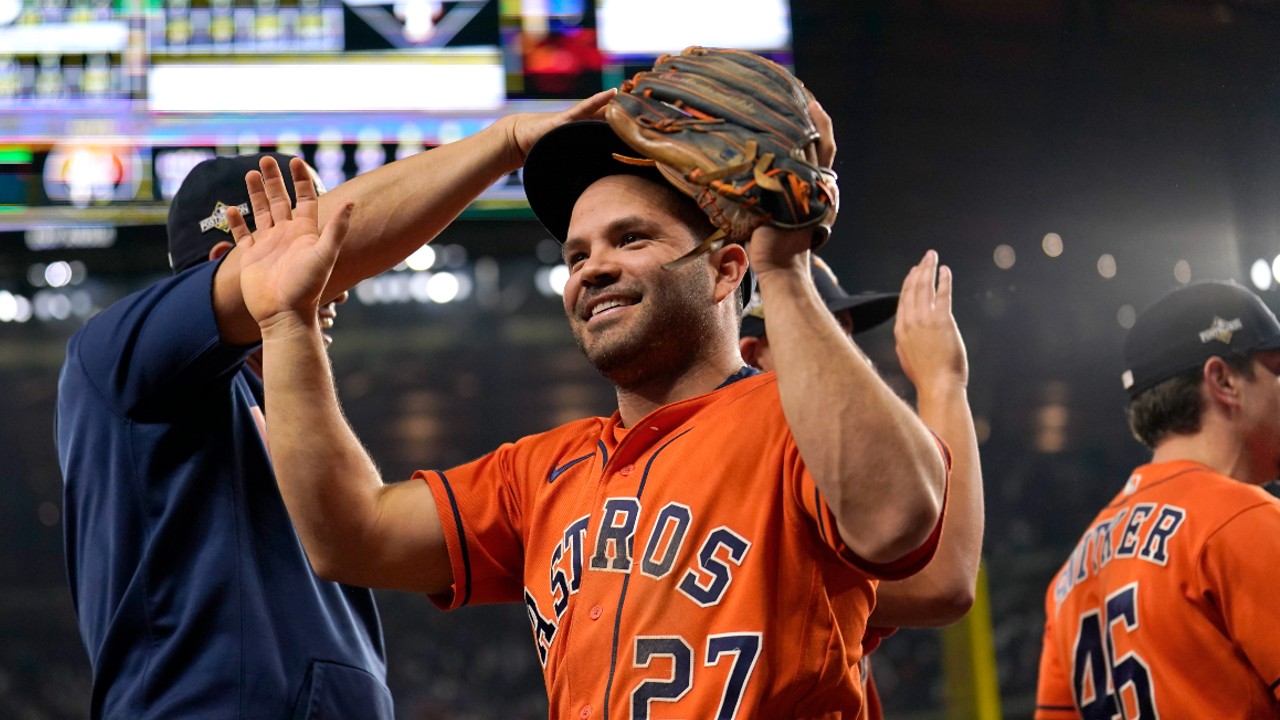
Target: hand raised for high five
<point>929,345</point>
<point>286,263</point>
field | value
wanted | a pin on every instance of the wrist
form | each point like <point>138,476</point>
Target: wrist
<point>512,155</point>
<point>941,390</point>
<point>289,324</point>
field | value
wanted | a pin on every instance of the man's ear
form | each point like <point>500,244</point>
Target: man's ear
<point>222,248</point>
<point>730,263</point>
<point>750,349</point>
<point>1223,383</point>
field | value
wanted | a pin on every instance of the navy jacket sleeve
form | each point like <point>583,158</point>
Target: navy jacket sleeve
<point>159,347</point>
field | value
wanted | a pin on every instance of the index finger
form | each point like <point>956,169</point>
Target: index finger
<point>304,188</point>
<point>277,193</point>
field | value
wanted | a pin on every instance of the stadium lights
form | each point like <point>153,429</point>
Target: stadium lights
<point>426,288</point>
<point>550,279</point>
<point>422,258</point>
<point>1052,244</point>
<point>1260,274</point>
<point>1004,256</point>
<point>14,308</point>
<point>1107,265</point>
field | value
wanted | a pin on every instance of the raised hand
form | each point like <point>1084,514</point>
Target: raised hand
<point>527,128</point>
<point>286,263</point>
<point>929,345</point>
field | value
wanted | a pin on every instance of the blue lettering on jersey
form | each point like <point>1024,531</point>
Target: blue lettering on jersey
<point>564,584</point>
<point>544,630</point>
<point>1106,538</point>
<point>1139,539</point>
<point>1167,523</point>
<point>1129,540</point>
<point>734,548</point>
<point>659,558</point>
<point>616,537</point>
<point>705,581</point>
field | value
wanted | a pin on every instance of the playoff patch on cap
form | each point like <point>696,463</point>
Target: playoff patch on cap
<point>1192,324</point>
<point>198,213</point>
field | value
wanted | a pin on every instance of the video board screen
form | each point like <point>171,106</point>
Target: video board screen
<point>106,104</point>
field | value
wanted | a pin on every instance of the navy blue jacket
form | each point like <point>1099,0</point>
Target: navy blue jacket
<point>192,591</point>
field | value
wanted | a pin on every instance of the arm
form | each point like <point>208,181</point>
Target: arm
<point>400,206</point>
<point>932,354</point>
<point>887,491</point>
<point>355,529</point>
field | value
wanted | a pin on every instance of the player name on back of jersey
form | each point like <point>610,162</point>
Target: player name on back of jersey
<point>1141,532</point>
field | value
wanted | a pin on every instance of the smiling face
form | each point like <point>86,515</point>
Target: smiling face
<point>636,321</point>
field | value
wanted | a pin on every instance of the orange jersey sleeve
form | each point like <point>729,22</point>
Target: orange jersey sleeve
<point>1164,608</point>
<point>682,567</point>
<point>1054,695</point>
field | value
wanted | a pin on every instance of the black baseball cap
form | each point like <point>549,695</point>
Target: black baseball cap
<point>566,161</point>
<point>1192,324</point>
<point>866,309</point>
<point>198,213</point>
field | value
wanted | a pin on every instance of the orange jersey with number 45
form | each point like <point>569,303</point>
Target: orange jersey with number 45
<point>1167,607</point>
<point>685,567</point>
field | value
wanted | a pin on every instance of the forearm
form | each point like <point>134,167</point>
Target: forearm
<point>944,591</point>
<point>873,460</point>
<point>398,208</point>
<point>330,486</point>
<point>402,205</point>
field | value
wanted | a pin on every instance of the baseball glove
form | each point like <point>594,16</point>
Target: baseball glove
<point>732,130</point>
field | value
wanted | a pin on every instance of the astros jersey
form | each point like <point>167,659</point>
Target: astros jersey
<point>684,567</point>
<point>871,707</point>
<point>1166,608</point>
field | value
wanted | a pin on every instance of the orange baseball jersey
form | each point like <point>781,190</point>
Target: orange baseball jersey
<point>684,567</point>
<point>1166,608</point>
<point>871,639</point>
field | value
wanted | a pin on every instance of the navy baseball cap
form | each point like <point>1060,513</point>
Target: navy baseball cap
<point>198,212</point>
<point>866,309</point>
<point>1192,324</point>
<point>566,161</point>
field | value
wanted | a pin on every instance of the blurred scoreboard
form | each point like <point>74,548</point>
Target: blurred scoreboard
<point>105,105</point>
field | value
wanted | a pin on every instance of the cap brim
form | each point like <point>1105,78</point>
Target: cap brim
<point>566,161</point>
<point>866,310</point>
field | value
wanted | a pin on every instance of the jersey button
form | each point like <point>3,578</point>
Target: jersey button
<point>596,612</point>
<point>626,469</point>
<point>585,712</point>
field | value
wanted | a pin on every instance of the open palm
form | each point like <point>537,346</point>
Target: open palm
<point>285,264</point>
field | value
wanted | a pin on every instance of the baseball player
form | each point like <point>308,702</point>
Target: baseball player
<point>192,592</point>
<point>712,548</point>
<point>1165,607</point>
<point>932,355</point>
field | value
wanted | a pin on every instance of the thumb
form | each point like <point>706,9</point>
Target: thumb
<point>335,232</point>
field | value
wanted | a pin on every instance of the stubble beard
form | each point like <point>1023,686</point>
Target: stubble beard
<point>662,345</point>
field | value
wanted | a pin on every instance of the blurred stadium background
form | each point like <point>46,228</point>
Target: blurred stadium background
<point>1070,159</point>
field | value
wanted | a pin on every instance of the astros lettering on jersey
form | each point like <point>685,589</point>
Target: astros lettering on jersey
<point>683,567</point>
<point>1166,608</point>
